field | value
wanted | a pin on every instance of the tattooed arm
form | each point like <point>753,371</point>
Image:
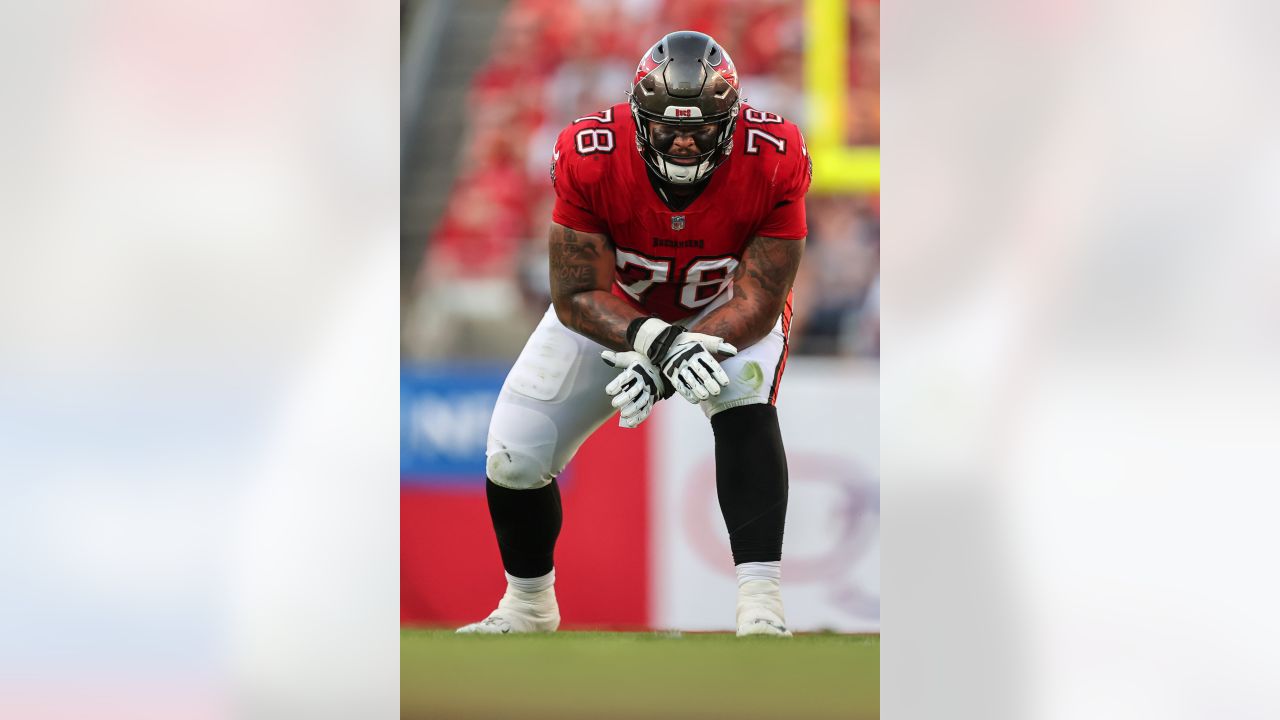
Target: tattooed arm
<point>760,287</point>
<point>582,267</point>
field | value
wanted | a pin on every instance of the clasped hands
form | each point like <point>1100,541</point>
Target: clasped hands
<point>665,359</point>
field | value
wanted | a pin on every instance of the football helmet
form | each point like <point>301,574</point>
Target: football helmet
<point>685,88</point>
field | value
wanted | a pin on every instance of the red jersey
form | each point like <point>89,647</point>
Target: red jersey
<point>673,263</point>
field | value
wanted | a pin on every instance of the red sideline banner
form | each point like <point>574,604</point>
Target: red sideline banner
<point>450,570</point>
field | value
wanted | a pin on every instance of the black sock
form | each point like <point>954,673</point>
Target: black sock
<point>527,523</point>
<point>751,481</point>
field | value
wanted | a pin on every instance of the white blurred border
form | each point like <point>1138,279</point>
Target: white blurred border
<point>1081,270</point>
<point>199,348</point>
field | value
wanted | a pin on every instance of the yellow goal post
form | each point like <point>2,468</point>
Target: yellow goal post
<point>837,168</point>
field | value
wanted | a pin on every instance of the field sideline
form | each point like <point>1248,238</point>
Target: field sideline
<point>637,675</point>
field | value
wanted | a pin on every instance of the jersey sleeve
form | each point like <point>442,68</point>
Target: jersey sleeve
<point>573,207</point>
<point>787,219</point>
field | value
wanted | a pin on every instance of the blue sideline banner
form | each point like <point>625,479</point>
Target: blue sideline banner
<point>444,421</point>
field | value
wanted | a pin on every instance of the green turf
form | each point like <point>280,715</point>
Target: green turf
<point>637,675</point>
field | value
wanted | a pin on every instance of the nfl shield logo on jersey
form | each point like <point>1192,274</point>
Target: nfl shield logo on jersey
<point>677,222</point>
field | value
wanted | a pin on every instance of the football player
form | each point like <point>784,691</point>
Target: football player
<point>677,231</point>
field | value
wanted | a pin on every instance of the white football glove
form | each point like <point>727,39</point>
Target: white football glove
<point>636,389</point>
<point>691,369</point>
<point>685,357</point>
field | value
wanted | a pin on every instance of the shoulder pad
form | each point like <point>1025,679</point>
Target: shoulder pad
<point>588,143</point>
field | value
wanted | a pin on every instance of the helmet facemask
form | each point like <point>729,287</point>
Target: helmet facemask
<point>656,136</point>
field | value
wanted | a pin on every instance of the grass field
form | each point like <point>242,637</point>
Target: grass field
<point>604,675</point>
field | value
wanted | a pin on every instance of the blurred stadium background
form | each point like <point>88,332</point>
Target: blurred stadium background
<point>486,85</point>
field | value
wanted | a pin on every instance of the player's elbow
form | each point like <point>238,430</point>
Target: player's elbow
<point>570,309</point>
<point>762,323</point>
<point>564,310</point>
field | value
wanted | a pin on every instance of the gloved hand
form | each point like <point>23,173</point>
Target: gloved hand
<point>691,369</point>
<point>685,357</point>
<point>636,389</point>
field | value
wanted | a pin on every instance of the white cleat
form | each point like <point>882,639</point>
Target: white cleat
<point>520,612</point>
<point>760,609</point>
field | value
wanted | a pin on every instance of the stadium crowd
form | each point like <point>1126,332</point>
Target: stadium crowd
<point>483,281</point>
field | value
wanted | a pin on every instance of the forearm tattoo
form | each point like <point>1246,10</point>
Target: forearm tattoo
<point>582,267</point>
<point>760,287</point>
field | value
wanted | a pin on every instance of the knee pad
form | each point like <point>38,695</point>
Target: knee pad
<point>522,443</point>
<point>515,470</point>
